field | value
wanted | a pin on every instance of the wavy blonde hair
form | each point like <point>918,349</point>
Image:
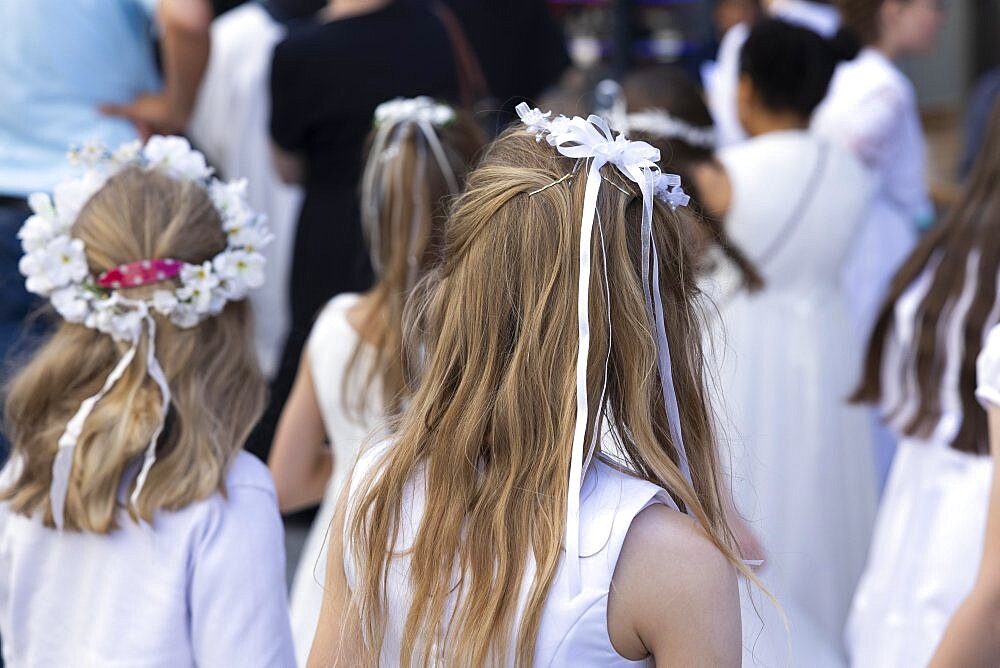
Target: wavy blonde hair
<point>404,235</point>
<point>218,392</point>
<point>491,422</point>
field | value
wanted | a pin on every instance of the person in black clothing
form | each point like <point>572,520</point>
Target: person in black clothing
<point>326,80</point>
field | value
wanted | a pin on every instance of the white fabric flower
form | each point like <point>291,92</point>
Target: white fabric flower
<point>127,152</point>
<point>41,205</point>
<point>536,121</point>
<point>202,297</point>
<point>125,326</point>
<point>71,196</point>
<point>199,275</point>
<point>56,265</point>
<point>185,316</point>
<point>241,271</point>
<point>231,203</point>
<point>250,238</point>
<point>175,156</point>
<point>36,232</point>
<point>164,302</point>
<point>71,303</point>
<point>418,109</point>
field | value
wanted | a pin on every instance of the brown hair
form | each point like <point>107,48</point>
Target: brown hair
<point>404,232</point>
<point>669,88</point>
<point>973,226</point>
<point>492,420</point>
<point>217,390</point>
<point>862,20</point>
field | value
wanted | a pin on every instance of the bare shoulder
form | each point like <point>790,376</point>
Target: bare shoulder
<point>673,588</point>
<point>714,187</point>
<point>660,534</point>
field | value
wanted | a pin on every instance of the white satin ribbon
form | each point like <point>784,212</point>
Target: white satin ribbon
<point>62,466</point>
<point>593,140</point>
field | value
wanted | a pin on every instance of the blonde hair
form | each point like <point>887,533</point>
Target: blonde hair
<point>404,233</point>
<point>218,392</point>
<point>491,421</point>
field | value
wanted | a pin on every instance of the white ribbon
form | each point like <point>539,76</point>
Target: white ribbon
<point>62,466</point>
<point>592,139</point>
<point>386,140</point>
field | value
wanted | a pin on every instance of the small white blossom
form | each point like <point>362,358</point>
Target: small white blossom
<point>41,205</point>
<point>175,156</point>
<point>36,232</point>
<point>127,152</point>
<point>164,302</point>
<point>71,196</point>
<point>71,303</point>
<point>241,271</point>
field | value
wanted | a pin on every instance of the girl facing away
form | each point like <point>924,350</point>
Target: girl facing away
<point>920,371</point>
<point>494,528</point>
<point>803,474</point>
<point>351,375</point>
<point>132,526</point>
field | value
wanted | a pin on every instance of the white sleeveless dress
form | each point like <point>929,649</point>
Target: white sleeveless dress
<point>331,345</point>
<point>802,466</point>
<point>573,631</point>
<point>929,535</point>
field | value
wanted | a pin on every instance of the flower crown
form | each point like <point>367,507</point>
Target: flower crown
<point>420,109</point>
<point>661,123</point>
<point>55,263</point>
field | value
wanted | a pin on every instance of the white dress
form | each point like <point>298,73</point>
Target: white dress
<point>331,345</point>
<point>871,110</point>
<point>572,631</point>
<point>929,535</point>
<point>803,473</point>
<point>230,125</point>
<point>201,586</point>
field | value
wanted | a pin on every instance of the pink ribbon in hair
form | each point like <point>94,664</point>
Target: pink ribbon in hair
<point>139,273</point>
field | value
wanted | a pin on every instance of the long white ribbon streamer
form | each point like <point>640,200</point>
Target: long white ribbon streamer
<point>593,139</point>
<point>62,466</point>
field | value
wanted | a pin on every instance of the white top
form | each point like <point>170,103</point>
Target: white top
<point>331,345</point>
<point>871,110</point>
<point>774,174</point>
<point>230,125</point>
<point>988,370</point>
<point>202,586</point>
<point>901,394</point>
<point>572,631</point>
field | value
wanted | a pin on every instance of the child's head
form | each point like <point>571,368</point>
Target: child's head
<point>972,228</point>
<point>129,232</point>
<point>665,107</point>
<point>899,27</point>
<point>418,154</point>
<point>492,421</point>
<point>785,71</point>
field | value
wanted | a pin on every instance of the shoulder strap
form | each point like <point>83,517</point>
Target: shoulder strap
<point>471,80</point>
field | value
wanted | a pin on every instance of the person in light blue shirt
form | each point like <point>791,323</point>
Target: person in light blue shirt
<point>73,71</point>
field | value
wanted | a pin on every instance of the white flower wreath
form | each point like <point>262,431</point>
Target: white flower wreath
<point>55,266</point>
<point>55,263</point>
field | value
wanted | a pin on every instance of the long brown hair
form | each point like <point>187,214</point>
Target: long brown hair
<point>973,226</point>
<point>491,421</point>
<point>669,88</point>
<point>217,390</point>
<point>862,19</point>
<point>404,229</point>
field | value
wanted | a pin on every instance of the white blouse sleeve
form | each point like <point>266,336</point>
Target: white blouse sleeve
<point>869,134</point>
<point>239,605</point>
<point>988,370</point>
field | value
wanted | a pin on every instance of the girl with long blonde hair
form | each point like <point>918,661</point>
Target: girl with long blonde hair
<point>132,526</point>
<point>525,511</point>
<point>351,374</point>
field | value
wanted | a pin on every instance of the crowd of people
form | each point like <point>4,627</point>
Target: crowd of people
<point>667,370</point>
